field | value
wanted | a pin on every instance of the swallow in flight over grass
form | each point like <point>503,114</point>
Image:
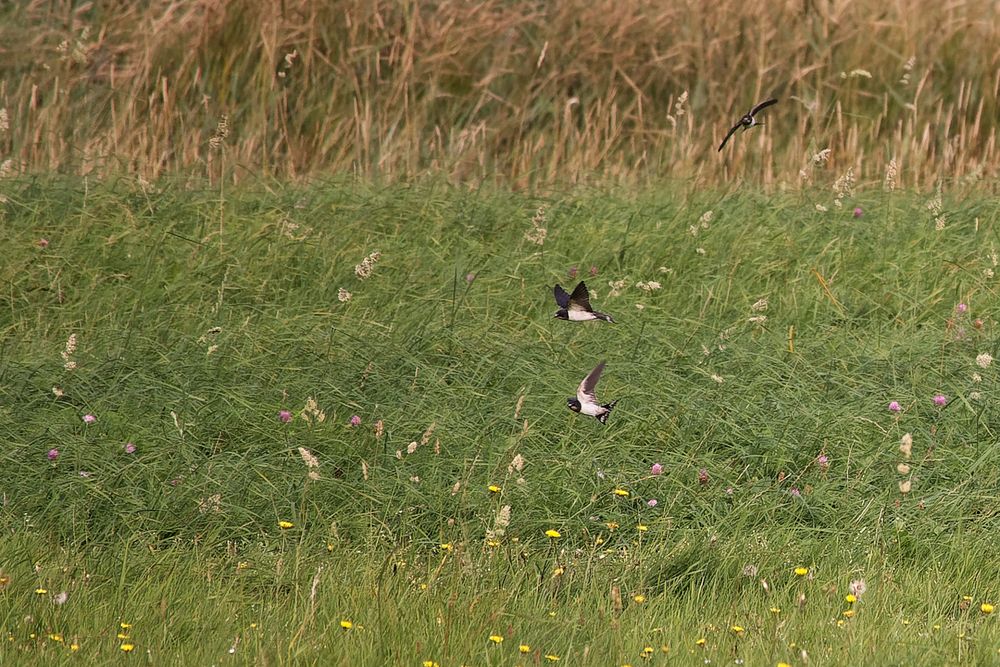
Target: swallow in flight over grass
<point>575,307</point>
<point>586,400</point>
<point>749,120</point>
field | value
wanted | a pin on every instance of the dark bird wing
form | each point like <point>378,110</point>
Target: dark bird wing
<point>562,298</point>
<point>762,106</point>
<point>580,298</point>
<point>730,133</point>
<point>585,393</point>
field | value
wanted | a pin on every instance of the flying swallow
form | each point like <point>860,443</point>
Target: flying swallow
<point>575,307</point>
<point>748,120</point>
<point>586,400</point>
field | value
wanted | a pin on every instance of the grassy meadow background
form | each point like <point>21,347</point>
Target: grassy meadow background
<point>280,381</point>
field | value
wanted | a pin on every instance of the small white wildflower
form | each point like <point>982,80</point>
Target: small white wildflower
<point>977,378</point>
<point>860,72</point>
<point>939,223</point>
<point>984,360</point>
<point>412,447</point>
<point>221,132</point>
<point>975,396</point>
<point>616,287</point>
<point>905,486</point>
<point>648,286</point>
<point>718,378</point>
<point>821,208</point>
<point>700,251</point>
<point>822,156</point>
<point>760,305</point>
<point>857,588</point>
<point>640,306</point>
<point>988,273</point>
<point>343,295</point>
<point>517,464</point>
<point>889,184</point>
<point>538,232</point>
<point>664,269</point>
<point>308,458</point>
<point>367,265</point>
<point>758,320</point>
<point>906,445</point>
<point>4,120</point>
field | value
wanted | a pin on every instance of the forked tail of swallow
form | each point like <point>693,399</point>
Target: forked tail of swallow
<point>603,418</point>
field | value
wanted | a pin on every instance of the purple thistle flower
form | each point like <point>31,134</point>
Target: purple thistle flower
<point>703,477</point>
<point>823,461</point>
<point>894,406</point>
<point>961,308</point>
<point>858,212</point>
<point>795,492</point>
<point>940,400</point>
<point>593,271</point>
<point>53,454</point>
<point>89,419</point>
<point>355,420</point>
<point>652,502</point>
<point>43,243</point>
<point>657,469</point>
<point>129,448</point>
<point>469,277</point>
<point>573,271</point>
<point>285,416</point>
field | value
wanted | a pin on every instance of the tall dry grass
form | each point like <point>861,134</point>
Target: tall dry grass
<point>524,91</point>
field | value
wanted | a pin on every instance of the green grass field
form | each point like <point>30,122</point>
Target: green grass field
<point>759,375</point>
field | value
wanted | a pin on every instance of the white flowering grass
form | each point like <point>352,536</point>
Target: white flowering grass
<point>775,445</point>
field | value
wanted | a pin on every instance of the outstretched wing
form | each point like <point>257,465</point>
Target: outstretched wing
<point>762,106</point>
<point>730,133</point>
<point>580,298</point>
<point>585,393</point>
<point>562,298</point>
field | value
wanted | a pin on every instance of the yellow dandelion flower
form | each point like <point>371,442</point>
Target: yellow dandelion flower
<point>986,608</point>
<point>775,610</point>
<point>598,541</point>
<point>905,621</point>
<point>553,534</point>
<point>41,591</point>
<point>125,626</point>
<point>552,657</point>
<point>430,663</point>
<point>493,543</point>
<point>801,571</point>
<point>850,598</point>
<point>621,493</point>
<point>253,626</point>
<point>642,528</point>
<point>285,524</point>
<point>346,624</point>
<point>122,635</point>
<point>552,614</point>
<point>127,647</point>
<point>783,664</point>
<point>840,622</point>
<point>558,571</point>
<point>524,648</point>
<point>738,629</point>
<point>56,637</point>
<point>74,647</point>
<point>493,488</point>
<point>664,649</point>
<point>967,598</point>
<point>647,651</point>
<point>848,613</point>
<point>4,580</point>
<point>612,525</point>
<point>700,641</point>
<point>446,546</point>
<point>640,598</point>
<point>496,639</point>
<point>423,586</point>
<point>937,626</point>
<point>329,547</point>
<point>242,565</point>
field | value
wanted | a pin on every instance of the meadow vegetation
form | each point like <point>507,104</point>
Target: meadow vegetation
<point>309,407</point>
<point>521,92</point>
<point>280,381</point>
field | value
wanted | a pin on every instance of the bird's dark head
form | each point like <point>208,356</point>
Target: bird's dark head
<point>562,314</point>
<point>573,404</point>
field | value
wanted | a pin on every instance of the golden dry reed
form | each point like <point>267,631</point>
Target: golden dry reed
<point>523,92</point>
